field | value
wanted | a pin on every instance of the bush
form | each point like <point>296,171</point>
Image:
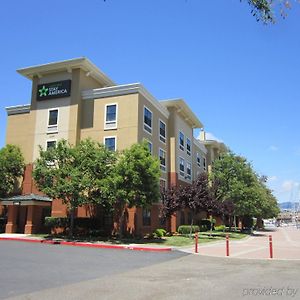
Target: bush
<point>52,222</point>
<point>159,233</point>
<point>81,225</point>
<point>203,228</point>
<point>186,229</point>
<point>220,228</point>
<point>207,223</point>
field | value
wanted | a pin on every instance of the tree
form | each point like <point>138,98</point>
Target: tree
<point>266,10</point>
<point>11,168</point>
<point>77,175</point>
<point>136,178</point>
<point>199,196</point>
<point>239,183</point>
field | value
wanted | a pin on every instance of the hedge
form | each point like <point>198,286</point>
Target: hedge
<point>87,224</point>
<point>186,229</point>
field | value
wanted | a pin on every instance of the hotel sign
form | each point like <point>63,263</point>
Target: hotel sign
<point>58,89</point>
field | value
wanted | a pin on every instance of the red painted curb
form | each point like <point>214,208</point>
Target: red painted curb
<point>81,244</point>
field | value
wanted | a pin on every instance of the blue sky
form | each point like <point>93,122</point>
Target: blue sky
<point>240,77</point>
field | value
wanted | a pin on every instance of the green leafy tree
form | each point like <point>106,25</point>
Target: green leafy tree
<point>77,175</point>
<point>137,176</point>
<point>238,182</point>
<point>11,168</point>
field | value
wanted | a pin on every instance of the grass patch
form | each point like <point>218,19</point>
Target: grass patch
<point>173,241</point>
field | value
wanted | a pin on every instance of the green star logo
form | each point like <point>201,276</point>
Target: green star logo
<point>43,91</point>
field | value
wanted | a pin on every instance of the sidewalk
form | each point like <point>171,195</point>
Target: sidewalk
<point>286,245</point>
<point>33,239</point>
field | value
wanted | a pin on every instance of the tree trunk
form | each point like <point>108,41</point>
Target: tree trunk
<point>72,213</point>
<point>121,222</point>
<point>234,221</point>
<point>191,229</point>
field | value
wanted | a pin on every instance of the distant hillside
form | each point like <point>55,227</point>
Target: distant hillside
<point>289,206</point>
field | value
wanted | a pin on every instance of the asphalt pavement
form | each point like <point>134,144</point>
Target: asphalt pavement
<point>29,267</point>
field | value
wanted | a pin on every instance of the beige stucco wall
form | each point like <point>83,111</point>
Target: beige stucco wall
<point>196,169</point>
<point>127,120</point>
<point>154,137</point>
<point>41,122</point>
<point>181,125</point>
<point>20,131</point>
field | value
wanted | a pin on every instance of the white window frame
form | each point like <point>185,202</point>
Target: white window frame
<point>204,163</point>
<point>106,123</point>
<point>52,128</point>
<point>181,147</point>
<point>161,137</point>
<point>188,151</point>
<point>198,157</point>
<point>189,176</point>
<point>110,137</point>
<point>165,181</point>
<point>50,140</point>
<point>146,125</point>
<point>149,142</point>
<point>163,167</point>
<point>180,172</point>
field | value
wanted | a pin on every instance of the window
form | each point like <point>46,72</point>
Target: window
<point>110,143</point>
<point>204,163</point>
<point>146,217</point>
<point>162,184</point>
<point>181,166</point>
<point>150,147</point>
<point>162,158</point>
<point>147,120</point>
<point>162,131</point>
<point>188,171</point>
<point>53,120</point>
<point>110,116</point>
<point>181,141</point>
<point>50,145</point>
<point>198,160</point>
<point>188,146</point>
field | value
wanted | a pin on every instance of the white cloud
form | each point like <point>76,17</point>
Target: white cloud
<point>273,148</point>
<point>272,178</point>
<point>289,185</point>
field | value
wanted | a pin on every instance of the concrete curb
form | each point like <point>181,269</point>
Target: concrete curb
<point>87,245</point>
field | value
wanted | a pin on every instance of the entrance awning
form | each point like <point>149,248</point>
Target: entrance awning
<point>24,200</point>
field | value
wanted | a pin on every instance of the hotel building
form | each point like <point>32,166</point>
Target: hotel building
<point>74,100</point>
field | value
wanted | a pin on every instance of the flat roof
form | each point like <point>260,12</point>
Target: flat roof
<point>67,65</point>
<point>184,110</point>
<point>24,200</point>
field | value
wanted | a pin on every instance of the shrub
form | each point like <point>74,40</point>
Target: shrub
<point>207,223</point>
<point>220,228</point>
<point>203,228</point>
<point>52,222</point>
<point>160,232</point>
<point>81,225</point>
<point>186,229</point>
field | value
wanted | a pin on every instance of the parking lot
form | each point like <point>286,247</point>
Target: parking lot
<point>35,271</point>
<point>27,267</point>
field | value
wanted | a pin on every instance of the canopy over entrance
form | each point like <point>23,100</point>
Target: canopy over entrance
<point>23,200</point>
<point>26,213</point>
